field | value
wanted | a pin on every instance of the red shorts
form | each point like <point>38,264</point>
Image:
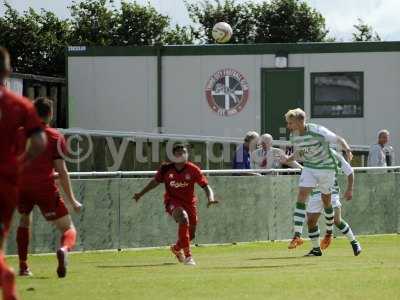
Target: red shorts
<point>49,201</point>
<point>8,202</point>
<point>191,209</point>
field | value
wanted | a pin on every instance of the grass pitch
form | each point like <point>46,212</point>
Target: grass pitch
<point>263,270</point>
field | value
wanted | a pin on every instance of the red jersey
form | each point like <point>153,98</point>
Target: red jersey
<point>179,185</point>
<point>40,172</point>
<point>15,112</point>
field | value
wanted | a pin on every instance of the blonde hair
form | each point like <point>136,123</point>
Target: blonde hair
<point>296,113</point>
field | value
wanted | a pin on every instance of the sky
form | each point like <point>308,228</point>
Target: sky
<point>340,15</point>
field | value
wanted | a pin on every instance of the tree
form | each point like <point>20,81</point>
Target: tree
<point>274,21</point>
<point>288,21</point>
<point>365,33</point>
<point>181,35</point>
<point>36,41</point>
<point>140,25</point>
<point>98,22</point>
<point>93,23</point>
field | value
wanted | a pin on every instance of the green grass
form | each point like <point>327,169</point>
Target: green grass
<point>245,271</point>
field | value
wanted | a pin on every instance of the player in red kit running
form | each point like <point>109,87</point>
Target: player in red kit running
<point>180,201</point>
<point>38,187</point>
<point>15,112</point>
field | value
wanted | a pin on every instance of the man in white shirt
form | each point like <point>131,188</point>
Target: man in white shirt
<point>381,154</point>
<point>268,157</point>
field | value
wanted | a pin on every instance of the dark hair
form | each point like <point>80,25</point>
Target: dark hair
<point>44,107</point>
<point>4,60</point>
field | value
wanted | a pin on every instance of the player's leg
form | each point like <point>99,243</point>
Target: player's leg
<point>67,242</point>
<point>345,228</point>
<point>192,231</point>
<point>313,233</point>
<point>314,208</point>
<point>175,249</point>
<point>299,216</point>
<point>193,220</point>
<point>306,184</point>
<point>329,220</point>
<point>181,216</point>
<point>26,202</point>
<point>8,199</point>
<point>326,182</point>
<point>23,236</point>
<point>54,210</point>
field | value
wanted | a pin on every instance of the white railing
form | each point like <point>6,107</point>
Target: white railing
<point>177,137</point>
<point>124,174</point>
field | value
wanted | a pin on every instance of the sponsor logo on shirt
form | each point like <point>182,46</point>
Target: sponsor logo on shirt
<point>178,184</point>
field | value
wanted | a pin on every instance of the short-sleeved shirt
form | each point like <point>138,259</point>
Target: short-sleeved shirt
<point>266,159</point>
<point>379,156</point>
<point>179,185</point>
<point>40,172</point>
<point>314,147</point>
<point>15,112</point>
<point>241,159</point>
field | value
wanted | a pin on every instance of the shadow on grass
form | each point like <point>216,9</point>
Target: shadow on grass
<point>35,277</point>
<point>260,267</point>
<point>136,266</point>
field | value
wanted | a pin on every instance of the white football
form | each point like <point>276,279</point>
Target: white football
<point>222,32</point>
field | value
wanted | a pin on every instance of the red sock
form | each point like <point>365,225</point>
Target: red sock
<point>184,241</point>
<point>68,239</point>
<point>23,243</point>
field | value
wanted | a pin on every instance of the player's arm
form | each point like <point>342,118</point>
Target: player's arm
<point>349,172</point>
<point>151,185</point>
<point>65,183</point>
<point>345,147</point>
<point>36,145</point>
<point>33,129</point>
<point>333,138</point>
<point>350,183</point>
<point>295,165</point>
<point>210,195</point>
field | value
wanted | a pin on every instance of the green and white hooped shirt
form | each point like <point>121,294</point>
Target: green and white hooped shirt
<point>344,166</point>
<point>313,147</point>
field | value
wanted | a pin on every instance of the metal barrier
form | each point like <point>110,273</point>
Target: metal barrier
<point>251,208</point>
<point>99,150</point>
<point>128,174</point>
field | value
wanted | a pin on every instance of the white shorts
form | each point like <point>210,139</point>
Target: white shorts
<point>323,179</point>
<point>315,205</point>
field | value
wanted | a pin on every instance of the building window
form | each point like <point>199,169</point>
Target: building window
<point>337,95</point>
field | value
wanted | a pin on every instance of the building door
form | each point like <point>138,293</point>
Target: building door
<point>282,89</point>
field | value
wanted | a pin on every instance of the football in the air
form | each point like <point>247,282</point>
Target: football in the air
<point>222,32</point>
